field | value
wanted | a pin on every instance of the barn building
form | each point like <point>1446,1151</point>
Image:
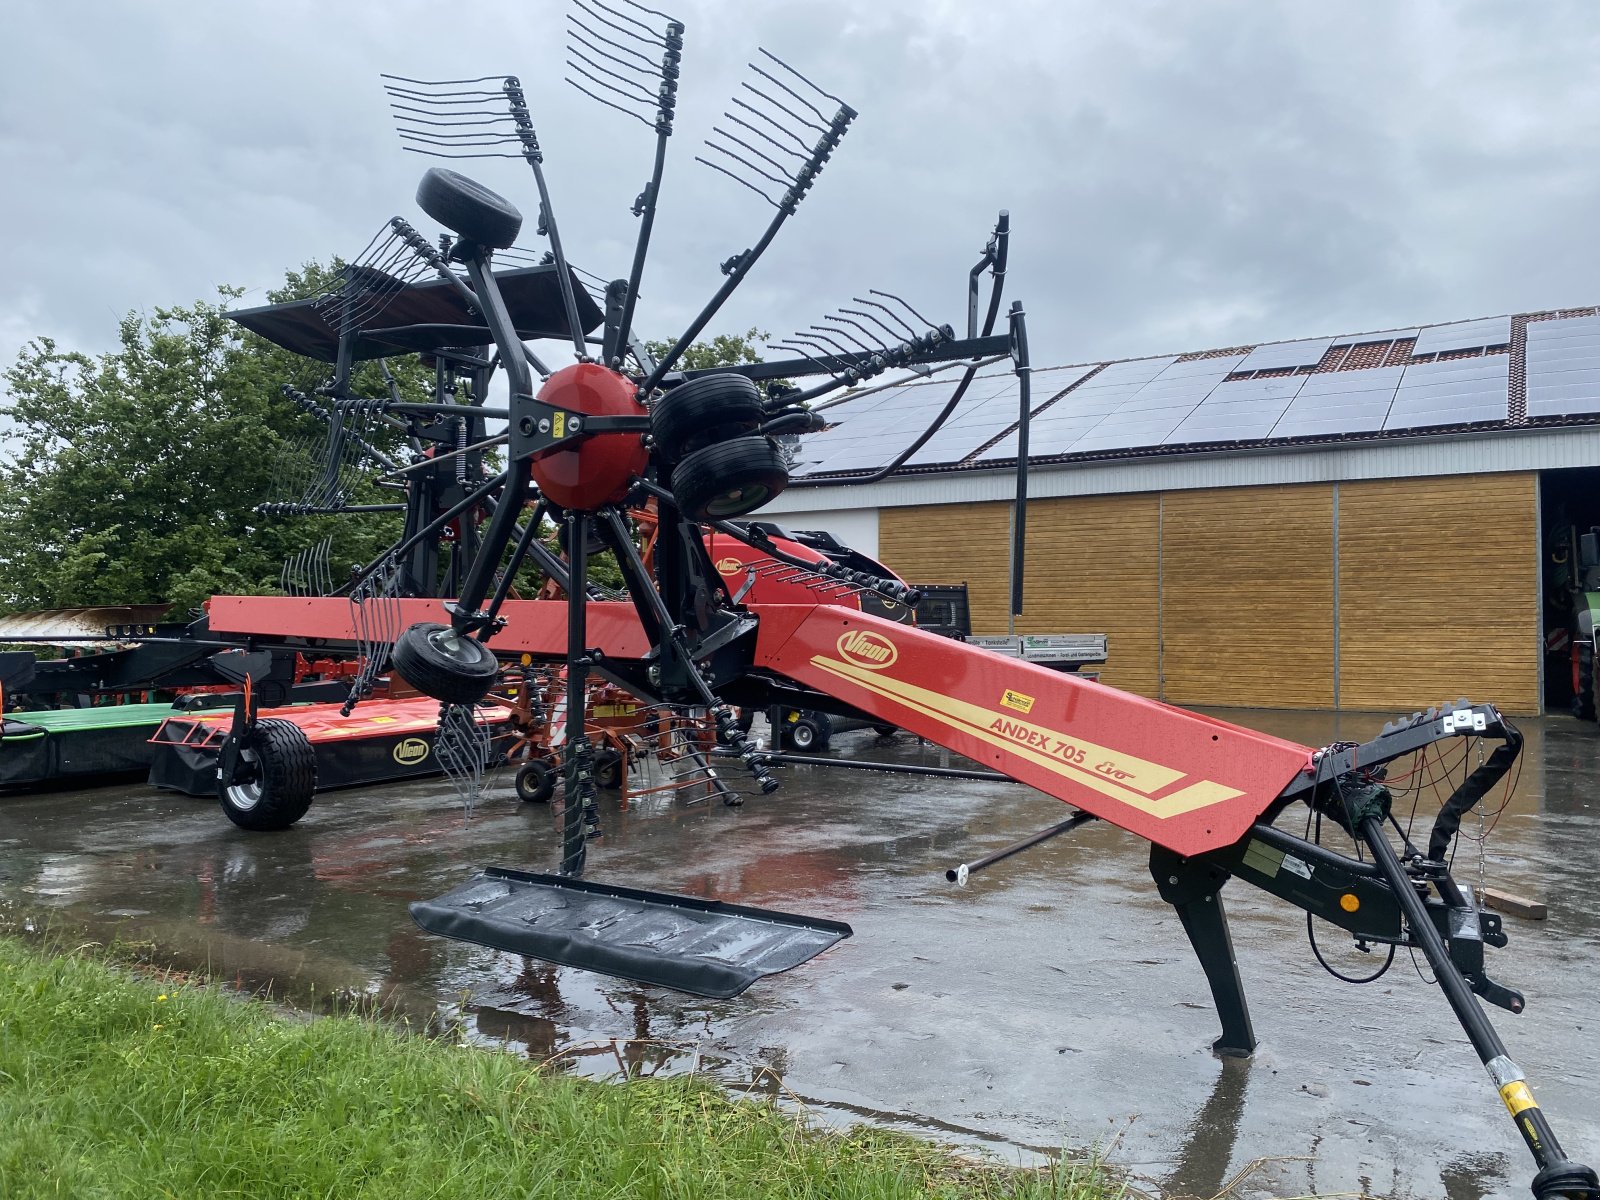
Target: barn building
<point>1376,521</point>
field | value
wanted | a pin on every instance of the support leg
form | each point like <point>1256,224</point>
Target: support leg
<point>1195,889</point>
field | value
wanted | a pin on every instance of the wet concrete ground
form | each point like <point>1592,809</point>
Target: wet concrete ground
<point>1053,1002</point>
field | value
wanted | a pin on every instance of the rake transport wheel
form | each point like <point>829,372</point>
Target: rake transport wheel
<point>810,732</point>
<point>536,782</point>
<point>1583,680</point>
<point>469,208</point>
<point>729,479</point>
<point>703,412</point>
<point>275,781</point>
<point>438,662</point>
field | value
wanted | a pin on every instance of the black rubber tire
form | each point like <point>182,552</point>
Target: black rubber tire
<point>608,770</point>
<point>278,780</point>
<point>1583,696</point>
<point>466,207</point>
<point>461,677</point>
<point>806,736</point>
<point>703,412</point>
<point>886,730</point>
<point>729,479</point>
<point>536,782</point>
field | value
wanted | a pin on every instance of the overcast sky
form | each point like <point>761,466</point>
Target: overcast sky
<point>1180,175</point>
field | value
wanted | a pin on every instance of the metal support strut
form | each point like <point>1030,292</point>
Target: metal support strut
<point>578,759</point>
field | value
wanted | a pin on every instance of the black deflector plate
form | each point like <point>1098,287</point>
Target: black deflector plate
<point>703,947</point>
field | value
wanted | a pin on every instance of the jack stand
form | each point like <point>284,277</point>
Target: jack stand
<point>1194,888</point>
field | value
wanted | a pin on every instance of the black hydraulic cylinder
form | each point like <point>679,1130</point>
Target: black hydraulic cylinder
<point>1558,1176</point>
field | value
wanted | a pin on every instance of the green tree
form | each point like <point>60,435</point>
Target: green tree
<point>133,476</point>
<point>724,350</point>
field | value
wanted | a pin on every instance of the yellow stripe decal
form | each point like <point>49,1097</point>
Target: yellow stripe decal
<point>1106,771</point>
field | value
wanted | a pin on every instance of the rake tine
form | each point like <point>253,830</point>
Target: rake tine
<point>871,347</point>
<point>788,133</point>
<point>891,296</point>
<point>868,333</point>
<point>736,179</point>
<point>746,163</point>
<point>797,75</point>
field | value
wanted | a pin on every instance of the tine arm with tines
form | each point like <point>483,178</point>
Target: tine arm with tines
<point>534,157</point>
<point>598,30</point>
<point>795,186</point>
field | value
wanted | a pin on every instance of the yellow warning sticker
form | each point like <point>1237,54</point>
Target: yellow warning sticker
<point>1017,700</point>
<point>1517,1097</point>
<point>559,425</point>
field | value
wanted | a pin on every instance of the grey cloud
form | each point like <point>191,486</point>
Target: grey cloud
<point>1179,176</point>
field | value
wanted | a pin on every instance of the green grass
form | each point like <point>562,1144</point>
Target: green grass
<point>114,1085</point>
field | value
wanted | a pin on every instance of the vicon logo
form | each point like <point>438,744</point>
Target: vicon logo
<point>728,566</point>
<point>866,649</point>
<point>410,751</point>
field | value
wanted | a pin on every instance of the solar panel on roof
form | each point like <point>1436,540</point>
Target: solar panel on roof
<point>1340,402</point>
<point>1563,367</point>
<point>1136,370</point>
<point>1243,410</point>
<point>1131,431</point>
<point>1464,335</point>
<point>1279,355</point>
<point>1452,393</point>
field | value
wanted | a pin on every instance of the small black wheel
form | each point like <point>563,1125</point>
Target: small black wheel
<point>468,208</point>
<point>703,412</point>
<point>276,779</point>
<point>536,782</point>
<point>438,662</point>
<point>729,479</point>
<point>806,734</point>
<point>608,769</point>
<point>1583,681</point>
<point>884,731</point>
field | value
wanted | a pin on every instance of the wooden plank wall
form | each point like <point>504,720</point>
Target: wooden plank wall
<point>1247,596</point>
<point>1437,589</point>
<point>951,543</point>
<point>1091,569</point>
<point>1438,592</point>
